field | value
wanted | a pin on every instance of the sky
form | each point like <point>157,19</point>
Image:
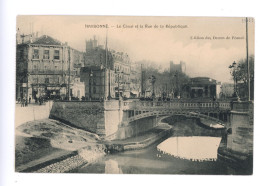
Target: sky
<point>189,39</point>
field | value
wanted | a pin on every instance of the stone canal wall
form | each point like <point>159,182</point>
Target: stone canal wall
<point>241,138</point>
<point>239,147</point>
<point>135,127</point>
<point>83,115</point>
<point>102,118</point>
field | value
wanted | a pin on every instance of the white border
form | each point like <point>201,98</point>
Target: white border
<point>8,11</point>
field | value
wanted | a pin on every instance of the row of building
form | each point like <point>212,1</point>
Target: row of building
<point>47,68</point>
<point>51,69</point>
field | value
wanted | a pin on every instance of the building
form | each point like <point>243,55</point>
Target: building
<point>46,68</point>
<point>177,67</point>
<point>106,73</point>
<point>203,87</point>
<point>122,73</point>
<point>135,80</point>
<point>96,80</point>
<point>96,55</point>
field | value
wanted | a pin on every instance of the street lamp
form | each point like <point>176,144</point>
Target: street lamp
<point>233,71</point>
<point>152,80</point>
<point>176,76</point>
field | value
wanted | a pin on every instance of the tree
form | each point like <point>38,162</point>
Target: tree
<point>241,75</point>
<point>166,83</point>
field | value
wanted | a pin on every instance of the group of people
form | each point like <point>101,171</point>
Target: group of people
<point>24,101</point>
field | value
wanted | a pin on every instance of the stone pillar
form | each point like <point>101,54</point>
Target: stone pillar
<point>240,140</point>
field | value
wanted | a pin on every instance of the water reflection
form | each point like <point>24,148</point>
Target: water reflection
<point>195,148</point>
<point>111,167</point>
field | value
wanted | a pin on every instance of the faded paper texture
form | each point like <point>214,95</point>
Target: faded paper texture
<point>134,95</point>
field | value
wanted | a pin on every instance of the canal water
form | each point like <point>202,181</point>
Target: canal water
<point>192,149</point>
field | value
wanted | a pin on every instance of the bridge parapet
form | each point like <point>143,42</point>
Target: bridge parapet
<point>179,105</point>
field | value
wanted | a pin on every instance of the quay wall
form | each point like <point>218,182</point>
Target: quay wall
<point>32,112</point>
<point>83,115</point>
<point>239,147</point>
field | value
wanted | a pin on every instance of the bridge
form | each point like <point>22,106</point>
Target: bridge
<point>135,113</point>
<point>142,109</point>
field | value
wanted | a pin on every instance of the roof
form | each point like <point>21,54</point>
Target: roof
<point>46,40</point>
<point>203,80</point>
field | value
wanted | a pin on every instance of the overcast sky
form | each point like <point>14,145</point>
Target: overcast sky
<point>203,57</point>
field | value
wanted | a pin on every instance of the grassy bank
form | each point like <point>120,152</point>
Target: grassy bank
<point>44,140</point>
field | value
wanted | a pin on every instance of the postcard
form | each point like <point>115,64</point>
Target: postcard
<point>134,95</point>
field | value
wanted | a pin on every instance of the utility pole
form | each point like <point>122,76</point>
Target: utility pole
<point>109,86</point>
<point>248,68</point>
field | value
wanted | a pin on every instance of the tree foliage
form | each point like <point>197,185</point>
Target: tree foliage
<point>240,76</point>
<point>166,82</point>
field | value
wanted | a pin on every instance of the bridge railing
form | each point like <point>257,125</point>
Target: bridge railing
<point>178,105</point>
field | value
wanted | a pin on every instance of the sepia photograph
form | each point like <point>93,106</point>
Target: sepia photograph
<point>134,95</point>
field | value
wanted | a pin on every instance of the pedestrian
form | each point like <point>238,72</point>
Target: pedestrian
<point>26,102</point>
<point>40,100</point>
<point>30,99</point>
<point>23,102</point>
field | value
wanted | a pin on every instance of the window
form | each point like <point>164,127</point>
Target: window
<point>35,54</point>
<point>56,54</point>
<point>46,54</point>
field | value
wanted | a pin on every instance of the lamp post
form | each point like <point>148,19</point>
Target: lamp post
<point>233,71</point>
<point>176,76</point>
<point>109,85</point>
<point>117,72</point>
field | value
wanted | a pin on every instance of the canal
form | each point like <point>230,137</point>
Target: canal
<point>192,149</point>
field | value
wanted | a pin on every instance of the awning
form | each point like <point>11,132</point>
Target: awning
<point>53,88</point>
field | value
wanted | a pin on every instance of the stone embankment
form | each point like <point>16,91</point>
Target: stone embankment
<point>143,140</point>
<point>84,156</point>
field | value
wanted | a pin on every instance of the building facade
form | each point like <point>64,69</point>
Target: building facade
<point>122,70</point>
<point>135,80</point>
<point>203,87</point>
<point>106,73</point>
<point>46,68</point>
